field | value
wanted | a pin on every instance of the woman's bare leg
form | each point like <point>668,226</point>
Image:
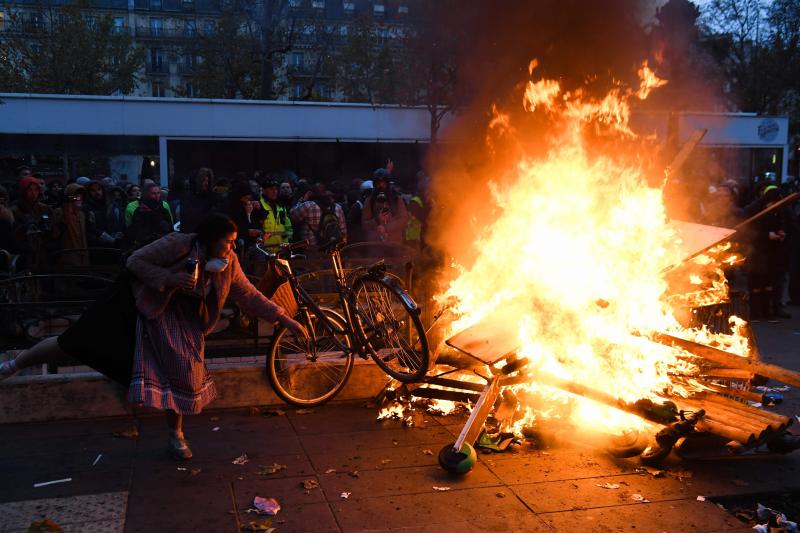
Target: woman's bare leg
<point>44,351</point>
<point>175,421</point>
<point>178,446</point>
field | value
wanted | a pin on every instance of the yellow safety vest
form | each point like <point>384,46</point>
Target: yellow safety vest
<point>281,232</point>
<point>414,225</point>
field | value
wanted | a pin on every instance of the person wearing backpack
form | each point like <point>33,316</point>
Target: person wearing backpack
<point>385,215</point>
<point>319,219</point>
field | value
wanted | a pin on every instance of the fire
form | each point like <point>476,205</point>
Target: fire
<point>575,263</point>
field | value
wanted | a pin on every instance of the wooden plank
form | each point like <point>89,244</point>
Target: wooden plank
<point>488,341</point>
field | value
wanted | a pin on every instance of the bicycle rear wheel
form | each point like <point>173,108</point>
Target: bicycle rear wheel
<point>309,373</point>
<point>390,329</point>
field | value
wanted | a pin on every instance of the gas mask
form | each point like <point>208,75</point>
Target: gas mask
<point>216,265</point>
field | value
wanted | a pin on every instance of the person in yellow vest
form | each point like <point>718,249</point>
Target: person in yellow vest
<point>417,214</point>
<point>276,225</point>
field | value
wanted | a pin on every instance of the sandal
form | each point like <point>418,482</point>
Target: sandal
<point>178,448</point>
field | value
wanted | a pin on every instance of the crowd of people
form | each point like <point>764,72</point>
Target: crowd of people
<point>39,219</point>
<point>770,244</point>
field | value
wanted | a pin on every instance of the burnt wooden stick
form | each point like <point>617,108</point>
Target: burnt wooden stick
<point>784,375</point>
<point>764,212</point>
<point>773,419</point>
<point>741,394</point>
<point>724,430</point>
<point>729,417</point>
<point>760,428</point>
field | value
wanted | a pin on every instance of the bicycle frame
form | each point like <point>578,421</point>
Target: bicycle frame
<point>308,306</point>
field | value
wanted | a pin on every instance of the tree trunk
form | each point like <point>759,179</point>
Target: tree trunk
<point>267,69</point>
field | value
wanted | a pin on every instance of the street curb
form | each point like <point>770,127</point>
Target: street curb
<point>91,395</point>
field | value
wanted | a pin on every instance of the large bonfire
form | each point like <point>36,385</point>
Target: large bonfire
<point>575,264</point>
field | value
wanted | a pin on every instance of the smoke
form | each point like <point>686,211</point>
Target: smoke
<point>592,45</point>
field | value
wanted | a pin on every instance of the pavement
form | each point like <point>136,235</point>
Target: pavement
<point>388,472</point>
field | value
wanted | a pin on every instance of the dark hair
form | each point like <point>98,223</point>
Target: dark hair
<point>214,227</point>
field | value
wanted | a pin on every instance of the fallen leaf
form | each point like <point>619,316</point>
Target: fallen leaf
<point>195,471</point>
<point>385,461</point>
<point>701,498</point>
<point>242,459</point>
<point>310,484</point>
<point>330,471</point>
<point>441,489</point>
<point>501,494</point>
<point>182,469</point>
<point>304,411</point>
<point>639,498</point>
<point>44,526</point>
<point>427,452</point>
<point>131,433</point>
<point>353,473</point>
<point>274,468</point>
<point>394,441</point>
<point>216,428</point>
<point>345,495</point>
<point>255,526</point>
<point>608,485</point>
<point>273,412</point>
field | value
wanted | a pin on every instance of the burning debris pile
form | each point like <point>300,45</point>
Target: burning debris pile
<point>577,303</point>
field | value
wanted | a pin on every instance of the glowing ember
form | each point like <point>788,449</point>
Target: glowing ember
<point>577,260</point>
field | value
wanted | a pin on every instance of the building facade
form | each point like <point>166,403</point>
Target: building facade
<point>170,33</point>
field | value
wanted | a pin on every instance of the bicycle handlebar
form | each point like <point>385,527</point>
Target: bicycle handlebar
<point>283,248</point>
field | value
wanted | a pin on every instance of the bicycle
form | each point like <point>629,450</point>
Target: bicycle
<point>378,319</point>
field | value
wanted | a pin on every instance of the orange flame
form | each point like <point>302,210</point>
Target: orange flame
<point>577,227</point>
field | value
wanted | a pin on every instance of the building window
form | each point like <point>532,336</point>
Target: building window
<point>325,91</point>
<point>119,24</point>
<point>297,59</point>
<point>91,21</point>
<point>36,20</point>
<point>208,26</point>
<point>155,4</point>
<point>190,90</point>
<point>299,90</point>
<point>295,3</point>
<point>159,89</point>
<point>318,4</point>
<point>157,60</point>
<point>349,7</point>
<point>156,25</point>
<point>190,28</point>
<point>188,4</point>
<point>378,7</point>
<point>403,10</point>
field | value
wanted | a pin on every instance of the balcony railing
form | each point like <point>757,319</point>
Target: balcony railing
<point>157,68</point>
<point>148,32</point>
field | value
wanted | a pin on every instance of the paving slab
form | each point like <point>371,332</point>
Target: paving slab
<point>410,480</point>
<point>95,512</point>
<point>681,515</point>
<point>481,506</point>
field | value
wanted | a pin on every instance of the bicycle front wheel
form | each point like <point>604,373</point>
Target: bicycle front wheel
<point>390,329</point>
<point>308,373</point>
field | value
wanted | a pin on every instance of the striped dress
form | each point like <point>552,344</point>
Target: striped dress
<point>169,370</point>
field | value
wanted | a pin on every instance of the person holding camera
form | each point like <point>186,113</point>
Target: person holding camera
<point>33,228</point>
<point>385,215</point>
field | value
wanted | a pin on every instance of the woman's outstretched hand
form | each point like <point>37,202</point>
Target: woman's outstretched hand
<point>293,325</point>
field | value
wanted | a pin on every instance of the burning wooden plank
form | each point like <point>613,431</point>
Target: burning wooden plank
<point>784,375</point>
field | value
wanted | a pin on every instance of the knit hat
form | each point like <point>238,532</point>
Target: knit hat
<point>367,185</point>
<point>83,181</point>
<point>26,182</point>
<point>73,188</point>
